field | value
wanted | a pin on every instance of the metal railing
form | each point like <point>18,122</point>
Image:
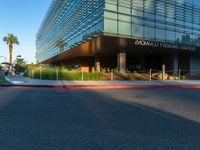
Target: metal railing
<point>145,75</point>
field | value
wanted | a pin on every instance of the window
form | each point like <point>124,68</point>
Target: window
<point>109,6</point>
<point>124,28</point>
<point>110,26</point>
<point>160,34</point>
<point>196,3</point>
<point>149,33</point>
<point>111,15</point>
<point>138,20</point>
<point>124,18</point>
<point>137,12</point>
<point>138,30</point>
<point>124,9</point>
<point>170,36</point>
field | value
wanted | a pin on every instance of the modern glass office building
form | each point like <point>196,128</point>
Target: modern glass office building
<point>122,33</point>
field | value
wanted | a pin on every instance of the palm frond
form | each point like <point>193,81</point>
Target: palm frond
<point>11,39</point>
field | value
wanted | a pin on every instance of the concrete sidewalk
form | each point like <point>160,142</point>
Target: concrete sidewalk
<point>19,80</point>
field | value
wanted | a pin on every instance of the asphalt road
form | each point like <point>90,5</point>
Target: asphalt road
<point>123,119</point>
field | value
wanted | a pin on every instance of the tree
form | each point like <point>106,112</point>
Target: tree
<point>61,44</point>
<point>20,64</point>
<point>10,39</point>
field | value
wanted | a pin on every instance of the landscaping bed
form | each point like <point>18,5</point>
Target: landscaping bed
<point>3,81</point>
<point>53,73</point>
<point>61,73</point>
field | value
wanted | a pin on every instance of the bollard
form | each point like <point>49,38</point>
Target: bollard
<point>111,75</point>
<point>82,75</point>
<point>163,72</point>
<point>179,74</point>
<point>40,74</point>
<point>56,74</point>
<point>150,74</point>
<point>33,74</point>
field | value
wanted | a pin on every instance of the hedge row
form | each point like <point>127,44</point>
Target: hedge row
<point>61,74</point>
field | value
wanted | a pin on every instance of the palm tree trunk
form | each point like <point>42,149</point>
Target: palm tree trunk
<point>10,53</point>
<point>10,56</point>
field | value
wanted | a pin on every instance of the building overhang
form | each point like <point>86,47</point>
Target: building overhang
<point>109,46</point>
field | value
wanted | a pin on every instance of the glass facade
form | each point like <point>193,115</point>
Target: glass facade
<point>74,21</point>
<point>172,21</point>
<point>70,20</point>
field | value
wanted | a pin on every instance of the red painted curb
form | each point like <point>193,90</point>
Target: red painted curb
<point>105,86</point>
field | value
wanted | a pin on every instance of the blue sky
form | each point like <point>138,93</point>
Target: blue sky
<point>23,19</point>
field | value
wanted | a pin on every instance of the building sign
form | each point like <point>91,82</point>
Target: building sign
<point>164,45</point>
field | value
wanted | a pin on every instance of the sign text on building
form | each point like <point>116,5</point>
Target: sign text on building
<point>163,45</point>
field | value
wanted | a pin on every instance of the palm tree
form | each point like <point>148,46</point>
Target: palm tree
<point>10,39</point>
<point>61,44</point>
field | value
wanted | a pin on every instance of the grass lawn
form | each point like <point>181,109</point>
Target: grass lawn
<point>3,81</point>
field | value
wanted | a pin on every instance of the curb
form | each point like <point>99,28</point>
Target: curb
<point>105,86</point>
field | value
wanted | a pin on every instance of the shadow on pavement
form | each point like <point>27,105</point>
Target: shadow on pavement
<point>50,119</point>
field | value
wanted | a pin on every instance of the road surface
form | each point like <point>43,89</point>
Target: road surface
<point>78,119</point>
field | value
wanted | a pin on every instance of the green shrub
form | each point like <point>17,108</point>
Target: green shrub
<point>159,76</point>
<point>49,73</point>
<point>67,75</point>
<point>108,70</point>
<point>117,71</point>
<point>95,75</point>
<point>103,70</point>
<point>183,77</point>
<point>93,69</point>
<point>129,76</point>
